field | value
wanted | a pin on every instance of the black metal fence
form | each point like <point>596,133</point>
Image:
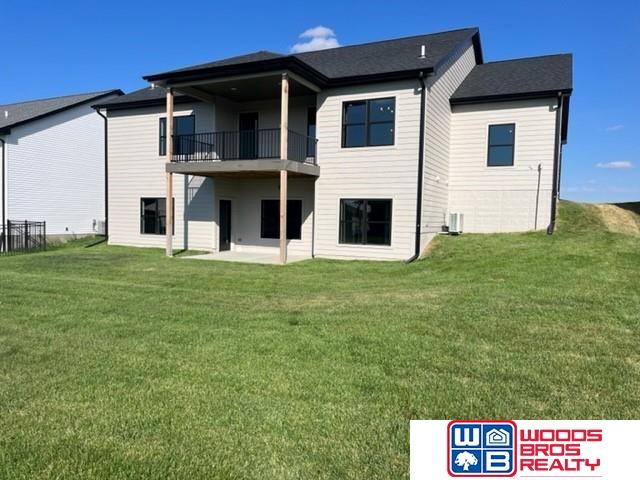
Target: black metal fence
<point>22,236</point>
<point>242,145</point>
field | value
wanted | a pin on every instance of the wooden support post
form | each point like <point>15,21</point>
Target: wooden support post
<point>284,154</point>
<point>284,118</point>
<point>283,216</point>
<point>169,152</point>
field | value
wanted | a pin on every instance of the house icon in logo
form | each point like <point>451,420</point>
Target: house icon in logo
<point>497,437</point>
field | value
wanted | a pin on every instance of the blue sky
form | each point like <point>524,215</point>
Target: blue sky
<point>63,47</point>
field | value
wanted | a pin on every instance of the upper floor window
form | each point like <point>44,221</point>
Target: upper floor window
<point>184,129</point>
<point>501,143</point>
<point>368,123</point>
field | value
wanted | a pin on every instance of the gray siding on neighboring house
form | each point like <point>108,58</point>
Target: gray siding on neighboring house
<point>503,199</point>
<point>388,172</point>
<point>55,171</point>
<point>2,176</point>
<point>437,138</point>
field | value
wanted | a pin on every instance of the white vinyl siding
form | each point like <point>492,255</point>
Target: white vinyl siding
<point>55,171</point>
<point>387,172</point>
<point>437,138</point>
<point>246,195</point>
<point>2,175</point>
<point>136,170</point>
<point>502,199</point>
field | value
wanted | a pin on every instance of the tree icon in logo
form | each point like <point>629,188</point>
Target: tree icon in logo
<point>466,460</point>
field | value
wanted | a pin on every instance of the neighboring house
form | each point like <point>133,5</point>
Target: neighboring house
<point>408,131</point>
<point>53,162</point>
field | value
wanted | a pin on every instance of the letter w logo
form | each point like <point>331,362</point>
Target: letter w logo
<point>469,437</point>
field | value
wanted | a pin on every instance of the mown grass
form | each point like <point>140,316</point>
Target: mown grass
<point>120,363</point>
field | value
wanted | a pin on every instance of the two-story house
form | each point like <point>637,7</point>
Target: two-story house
<point>352,152</point>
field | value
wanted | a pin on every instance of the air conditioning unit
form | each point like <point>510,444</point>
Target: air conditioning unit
<point>456,223</point>
<point>101,227</point>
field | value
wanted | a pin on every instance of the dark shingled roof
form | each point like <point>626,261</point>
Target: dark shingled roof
<point>534,76</point>
<point>341,63</point>
<point>225,62</point>
<point>388,59</point>
<point>19,113</point>
<point>368,59</point>
<point>147,95</point>
<point>402,54</point>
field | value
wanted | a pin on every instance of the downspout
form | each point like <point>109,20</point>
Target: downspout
<point>106,175</point>
<point>423,97</point>
<point>556,164</point>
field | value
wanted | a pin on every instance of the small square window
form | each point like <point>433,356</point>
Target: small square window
<point>153,216</point>
<point>270,219</point>
<point>368,123</point>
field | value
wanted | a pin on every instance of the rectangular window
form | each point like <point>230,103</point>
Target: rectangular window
<point>501,143</point>
<point>368,123</point>
<point>366,222</point>
<point>153,216</point>
<point>270,219</point>
<point>184,129</point>
<point>311,132</point>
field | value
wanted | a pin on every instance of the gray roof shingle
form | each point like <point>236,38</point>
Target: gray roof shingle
<point>366,62</point>
<point>369,59</point>
<point>376,58</point>
<point>402,54</point>
<point>17,113</point>
<point>225,62</point>
<point>147,95</point>
<point>519,77</point>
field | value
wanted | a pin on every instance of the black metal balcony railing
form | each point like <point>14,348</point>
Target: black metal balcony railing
<point>242,145</point>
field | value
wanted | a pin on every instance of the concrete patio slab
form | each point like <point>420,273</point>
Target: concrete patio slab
<point>247,257</point>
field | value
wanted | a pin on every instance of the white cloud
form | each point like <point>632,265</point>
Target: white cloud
<point>614,128</point>
<point>318,31</point>
<point>624,164</point>
<point>317,38</point>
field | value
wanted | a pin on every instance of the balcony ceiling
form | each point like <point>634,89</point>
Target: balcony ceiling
<point>264,87</point>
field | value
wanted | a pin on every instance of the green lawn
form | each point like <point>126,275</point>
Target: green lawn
<point>121,363</point>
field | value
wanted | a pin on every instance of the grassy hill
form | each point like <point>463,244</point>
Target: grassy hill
<point>120,363</point>
<point>598,218</point>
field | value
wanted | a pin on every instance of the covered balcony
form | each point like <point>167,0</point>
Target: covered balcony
<point>252,150</point>
<point>255,134</point>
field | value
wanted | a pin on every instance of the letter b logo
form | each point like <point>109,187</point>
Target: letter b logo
<point>497,461</point>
